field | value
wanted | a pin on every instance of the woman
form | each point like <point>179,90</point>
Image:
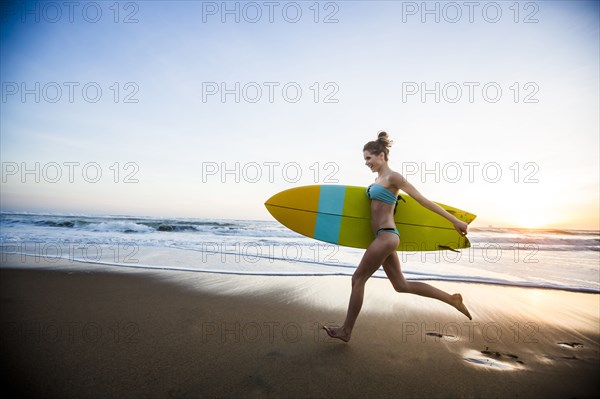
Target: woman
<point>382,251</point>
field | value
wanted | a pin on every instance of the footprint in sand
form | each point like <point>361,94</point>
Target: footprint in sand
<point>438,335</point>
<point>569,345</point>
<point>501,355</point>
<point>551,357</point>
<point>572,345</point>
<point>494,359</point>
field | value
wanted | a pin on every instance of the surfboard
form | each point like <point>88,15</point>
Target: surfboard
<point>341,215</point>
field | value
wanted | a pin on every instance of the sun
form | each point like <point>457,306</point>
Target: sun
<point>532,222</point>
<point>533,217</point>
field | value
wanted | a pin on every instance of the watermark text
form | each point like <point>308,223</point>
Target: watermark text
<point>454,12</point>
<point>469,92</point>
<point>70,12</point>
<point>69,92</point>
<point>69,172</point>
<point>271,171</point>
<point>270,12</point>
<point>269,92</point>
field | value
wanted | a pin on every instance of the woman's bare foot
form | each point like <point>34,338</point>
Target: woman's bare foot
<point>457,302</point>
<point>337,332</point>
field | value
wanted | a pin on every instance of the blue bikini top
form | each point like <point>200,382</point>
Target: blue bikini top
<point>378,192</point>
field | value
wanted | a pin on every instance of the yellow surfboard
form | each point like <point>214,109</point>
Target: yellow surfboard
<point>341,215</point>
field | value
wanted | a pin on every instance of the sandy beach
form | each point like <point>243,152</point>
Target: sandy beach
<point>104,332</point>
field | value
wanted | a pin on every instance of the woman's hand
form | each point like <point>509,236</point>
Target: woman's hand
<point>461,227</point>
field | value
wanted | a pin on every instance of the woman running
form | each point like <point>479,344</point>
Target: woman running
<point>382,251</point>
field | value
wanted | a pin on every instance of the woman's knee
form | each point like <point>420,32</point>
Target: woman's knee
<point>401,286</point>
<point>358,279</point>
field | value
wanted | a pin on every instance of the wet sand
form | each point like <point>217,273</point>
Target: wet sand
<point>80,330</point>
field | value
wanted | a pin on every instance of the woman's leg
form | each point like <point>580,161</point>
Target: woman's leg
<point>380,249</point>
<point>391,266</point>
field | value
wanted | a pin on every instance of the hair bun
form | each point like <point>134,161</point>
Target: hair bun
<point>382,144</point>
<point>384,138</point>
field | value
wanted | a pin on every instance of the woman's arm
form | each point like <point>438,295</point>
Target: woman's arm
<point>399,181</point>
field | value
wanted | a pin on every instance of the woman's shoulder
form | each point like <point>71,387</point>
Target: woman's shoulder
<point>396,179</point>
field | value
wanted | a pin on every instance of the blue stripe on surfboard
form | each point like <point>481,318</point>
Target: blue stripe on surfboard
<point>329,216</point>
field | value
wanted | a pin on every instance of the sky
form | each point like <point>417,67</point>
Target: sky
<point>206,109</point>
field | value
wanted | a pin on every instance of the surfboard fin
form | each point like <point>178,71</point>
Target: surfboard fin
<point>448,248</point>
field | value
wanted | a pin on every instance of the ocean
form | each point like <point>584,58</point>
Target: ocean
<point>542,258</point>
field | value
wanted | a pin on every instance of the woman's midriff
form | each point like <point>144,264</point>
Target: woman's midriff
<point>382,216</point>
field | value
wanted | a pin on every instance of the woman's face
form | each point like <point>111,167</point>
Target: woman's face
<point>373,161</point>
